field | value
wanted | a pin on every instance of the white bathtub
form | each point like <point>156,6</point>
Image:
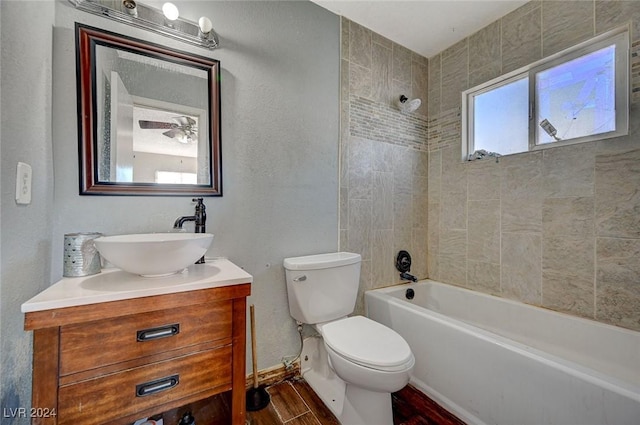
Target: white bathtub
<point>494,361</point>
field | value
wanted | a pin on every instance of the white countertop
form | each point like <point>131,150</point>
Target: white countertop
<point>113,284</point>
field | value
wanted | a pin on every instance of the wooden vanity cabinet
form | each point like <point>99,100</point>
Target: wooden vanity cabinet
<point>119,361</point>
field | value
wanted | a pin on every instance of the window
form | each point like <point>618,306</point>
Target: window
<point>578,95</point>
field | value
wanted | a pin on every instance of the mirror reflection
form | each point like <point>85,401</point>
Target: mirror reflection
<point>156,119</point>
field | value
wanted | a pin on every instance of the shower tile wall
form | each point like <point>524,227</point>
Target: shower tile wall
<point>384,158</point>
<point>559,228</point>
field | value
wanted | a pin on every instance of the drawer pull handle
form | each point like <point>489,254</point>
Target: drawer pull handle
<point>153,387</point>
<point>161,332</point>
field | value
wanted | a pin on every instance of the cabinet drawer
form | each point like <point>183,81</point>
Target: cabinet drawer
<point>104,342</point>
<point>99,400</point>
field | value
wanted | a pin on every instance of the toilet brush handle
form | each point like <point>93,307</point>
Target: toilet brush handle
<point>254,358</point>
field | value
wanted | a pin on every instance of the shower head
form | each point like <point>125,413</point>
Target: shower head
<point>408,105</point>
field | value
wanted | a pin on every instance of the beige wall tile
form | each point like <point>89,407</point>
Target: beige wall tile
<point>360,45</point>
<point>344,144</point>
<point>617,196</point>
<point>420,86</point>
<point>521,192</point>
<point>433,240</point>
<point>402,170</point>
<point>403,214</point>
<point>522,37</point>
<point>452,268</point>
<point>568,294</point>
<point>478,76</point>
<point>565,24</point>
<point>524,10</point>
<point>521,274</point>
<point>344,80</point>
<point>420,202</point>
<point>359,227</point>
<point>484,277</point>
<point>382,156</point>
<point>454,76</point>
<point>382,201</point>
<point>614,14</point>
<point>483,180</point>
<point>569,170</point>
<point>569,216</point>
<point>401,64</point>
<point>344,37</point>
<point>381,40</point>
<point>453,242</point>
<point>382,258</point>
<point>569,255</point>
<point>344,208</point>
<point>419,58</point>
<point>360,80</point>
<point>484,231</point>
<point>484,46</point>
<point>435,175</point>
<point>435,76</point>
<point>360,170</point>
<point>618,282</point>
<point>420,163</point>
<point>381,74</point>
<point>419,252</point>
<point>454,210</point>
<point>454,171</point>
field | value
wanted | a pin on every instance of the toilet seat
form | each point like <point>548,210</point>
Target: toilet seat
<point>368,343</point>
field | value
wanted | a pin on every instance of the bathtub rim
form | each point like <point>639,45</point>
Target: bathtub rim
<point>612,383</point>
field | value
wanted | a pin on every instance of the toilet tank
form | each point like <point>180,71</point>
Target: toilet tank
<point>322,287</point>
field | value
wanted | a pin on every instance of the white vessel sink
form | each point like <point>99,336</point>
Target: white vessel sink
<point>154,254</point>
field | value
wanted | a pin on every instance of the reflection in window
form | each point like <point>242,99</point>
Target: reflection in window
<point>578,97</point>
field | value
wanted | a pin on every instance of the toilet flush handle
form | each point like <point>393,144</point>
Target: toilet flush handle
<point>300,278</point>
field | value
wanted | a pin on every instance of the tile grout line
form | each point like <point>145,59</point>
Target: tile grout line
<point>303,402</point>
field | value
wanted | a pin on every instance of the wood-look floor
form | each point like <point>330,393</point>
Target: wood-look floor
<point>293,402</point>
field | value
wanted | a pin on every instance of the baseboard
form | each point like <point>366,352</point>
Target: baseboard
<point>274,375</point>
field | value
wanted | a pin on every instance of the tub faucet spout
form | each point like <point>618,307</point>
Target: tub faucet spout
<point>407,276</point>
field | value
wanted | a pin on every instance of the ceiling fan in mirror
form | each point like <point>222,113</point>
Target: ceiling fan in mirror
<point>184,129</point>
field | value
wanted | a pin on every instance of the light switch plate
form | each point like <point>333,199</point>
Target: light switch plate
<point>23,183</point>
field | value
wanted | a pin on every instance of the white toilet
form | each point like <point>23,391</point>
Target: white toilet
<point>357,363</point>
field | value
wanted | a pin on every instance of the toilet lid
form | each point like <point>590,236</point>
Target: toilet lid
<point>366,342</point>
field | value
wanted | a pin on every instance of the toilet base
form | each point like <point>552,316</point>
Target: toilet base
<point>314,368</point>
<point>364,407</point>
<point>350,404</point>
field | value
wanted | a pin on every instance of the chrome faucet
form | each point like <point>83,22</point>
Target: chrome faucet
<point>200,219</point>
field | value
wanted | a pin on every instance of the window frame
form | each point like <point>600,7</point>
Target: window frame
<point>618,37</point>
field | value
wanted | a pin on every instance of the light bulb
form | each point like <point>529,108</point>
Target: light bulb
<point>170,11</point>
<point>205,24</point>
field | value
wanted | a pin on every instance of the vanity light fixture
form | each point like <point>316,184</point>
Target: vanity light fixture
<point>166,21</point>
<point>130,7</point>
<point>170,12</point>
<point>205,26</point>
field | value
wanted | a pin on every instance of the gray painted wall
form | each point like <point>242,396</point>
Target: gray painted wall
<point>25,230</point>
<point>280,125</point>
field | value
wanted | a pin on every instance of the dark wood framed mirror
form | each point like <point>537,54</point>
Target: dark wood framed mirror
<point>148,118</point>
